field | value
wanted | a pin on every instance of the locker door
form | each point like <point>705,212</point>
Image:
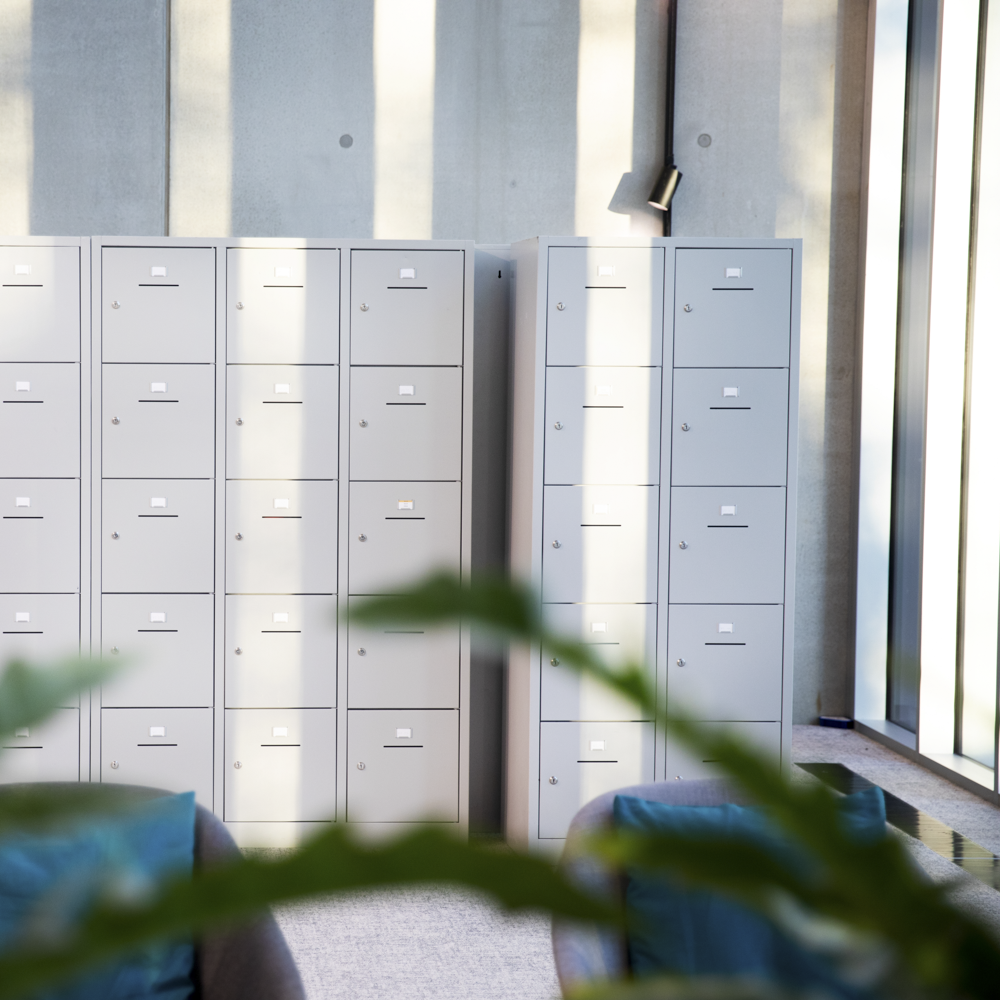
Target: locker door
<point>724,661</point>
<point>158,536</point>
<point>602,425</point>
<point>159,421</point>
<point>158,304</point>
<point>406,423</point>
<point>282,306</point>
<point>39,535</point>
<point>621,634</point>
<point>282,421</point>
<point>732,308</point>
<point>730,427</point>
<point>600,544</point>
<point>167,642</point>
<point>403,766</point>
<point>581,760</point>
<point>40,420</point>
<point>39,627</point>
<point>281,765</point>
<point>605,306</point>
<point>282,537</point>
<point>39,303</point>
<point>683,762</point>
<point>407,307</point>
<point>727,545</point>
<point>401,666</point>
<point>281,651</point>
<point>400,532</point>
<point>49,751</point>
<point>167,748</point>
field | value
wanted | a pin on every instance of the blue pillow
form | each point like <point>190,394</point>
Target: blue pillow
<point>700,932</point>
<point>49,879</point>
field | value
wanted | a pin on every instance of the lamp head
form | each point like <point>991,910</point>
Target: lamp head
<point>663,190</point>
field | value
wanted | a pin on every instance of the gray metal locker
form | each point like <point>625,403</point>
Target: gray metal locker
<point>402,766</point>
<point>621,634</point>
<point>166,643</point>
<point>727,545</point>
<point>158,304</point>
<point>282,306</point>
<point>602,425</point>
<point>605,306</point>
<point>400,532</point>
<point>684,763</point>
<point>281,421</point>
<point>281,537</point>
<point>724,661</point>
<point>730,427</point>
<point>732,308</point>
<point>39,535</point>
<point>402,666</point>
<point>39,303</point>
<point>599,544</point>
<point>158,421</point>
<point>281,651</point>
<point>39,627</point>
<point>281,765</point>
<point>49,751</point>
<point>167,748</point>
<point>39,420</point>
<point>581,760</point>
<point>407,307</point>
<point>157,536</point>
<point>406,423</point>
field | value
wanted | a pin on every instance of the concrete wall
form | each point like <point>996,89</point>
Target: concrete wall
<point>492,120</point>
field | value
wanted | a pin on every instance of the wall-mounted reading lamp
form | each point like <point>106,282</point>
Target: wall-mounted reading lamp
<point>663,191</point>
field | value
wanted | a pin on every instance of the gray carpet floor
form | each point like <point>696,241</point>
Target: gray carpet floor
<point>423,944</point>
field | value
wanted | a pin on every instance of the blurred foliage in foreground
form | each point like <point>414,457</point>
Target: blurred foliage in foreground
<point>865,905</point>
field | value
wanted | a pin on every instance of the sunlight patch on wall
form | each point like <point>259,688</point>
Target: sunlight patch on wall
<point>16,118</point>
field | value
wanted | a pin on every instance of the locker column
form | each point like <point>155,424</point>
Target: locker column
<point>156,527</point>
<point>282,376</point>
<point>40,486</point>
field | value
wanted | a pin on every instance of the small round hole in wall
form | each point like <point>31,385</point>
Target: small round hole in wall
<point>704,140</point>
<point>347,141</point>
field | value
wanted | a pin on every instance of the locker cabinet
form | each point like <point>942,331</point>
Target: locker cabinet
<point>39,535</point>
<point>581,760</point>
<point>281,651</point>
<point>402,767</point>
<point>167,748</point>
<point>605,306</point>
<point>158,304</point>
<point>602,425</point>
<point>407,307</point>
<point>159,421</point>
<point>166,643</point>
<point>282,306</point>
<point>48,751</point>
<point>39,303</point>
<point>281,537</point>
<point>39,420</point>
<point>683,762</point>
<point>280,765</point>
<point>39,627</point>
<point>406,423</point>
<point>157,536</point>
<point>281,421</point>
<point>400,532</point>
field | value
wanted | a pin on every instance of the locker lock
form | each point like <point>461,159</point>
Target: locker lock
<point>239,421</point>
<point>560,306</point>
<point>362,423</point>
<point>556,544</point>
<point>238,651</point>
<point>239,305</point>
<point>682,545</point>
<point>364,307</point>
<point>114,765</point>
<point>553,780</point>
<point>115,420</point>
<point>114,649</point>
<point>361,765</point>
<point>362,538</point>
<point>362,651</point>
<point>554,661</point>
<point>681,662</point>
<point>685,427</point>
<point>116,305</point>
<point>237,764</point>
<point>239,536</point>
<point>687,309</point>
<point>558,425</point>
<point>114,534</point>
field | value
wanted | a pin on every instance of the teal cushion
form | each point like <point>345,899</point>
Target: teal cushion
<point>699,932</point>
<point>50,879</point>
